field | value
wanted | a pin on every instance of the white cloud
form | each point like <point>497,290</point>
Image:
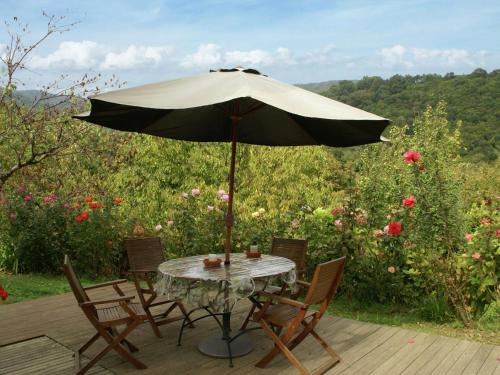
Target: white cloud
<point>400,56</point>
<point>135,56</point>
<point>248,58</point>
<point>207,55</point>
<point>258,57</point>
<point>89,55</point>
<point>71,55</point>
<point>323,55</point>
<point>395,56</point>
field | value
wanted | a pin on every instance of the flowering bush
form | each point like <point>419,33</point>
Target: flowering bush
<point>44,228</point>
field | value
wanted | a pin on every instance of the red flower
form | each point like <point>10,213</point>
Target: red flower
<point>88,199</point>
<point>95,205</point>
<point>411,156</point>
<point>498,232</point>
<point>84,215</point>
<point>420,167</point>
<point>3,294</point>
<point>118,200</point>
<point>79,219</point>
<point>77,205</point>
<point>409,202</point>
<point>394,228</point>
<point>28,198</point>
<point>485,222</point>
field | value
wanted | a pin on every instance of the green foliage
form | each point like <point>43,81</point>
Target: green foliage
<point>44,229</point>
<point>340,208</point>
<point>473,100</point>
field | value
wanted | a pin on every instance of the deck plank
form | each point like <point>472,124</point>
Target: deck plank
<point>365,348</point>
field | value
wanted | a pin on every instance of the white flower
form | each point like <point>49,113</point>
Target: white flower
<point>158,227</point>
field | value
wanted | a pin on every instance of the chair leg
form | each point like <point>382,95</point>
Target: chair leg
<point>280,346</point>
<point>184,312</point>
<point>114,343</point>
<point>153,324</point>
<point>325,346</point>
<point>88,343</point>
<point>247,319</point>
<point>131,347</point>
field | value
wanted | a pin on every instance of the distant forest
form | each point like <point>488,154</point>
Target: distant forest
<point>473,99</point>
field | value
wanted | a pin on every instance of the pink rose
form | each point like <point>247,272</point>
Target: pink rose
<point>411,156</point>
<point>498,232</point>
<point>27,198</point>
<point>49,198</point>
<point>225,197</point>
<point>338,223</point>
<point>221,192</point>
<point>476,255</point>
<point>21,189</point>
<point>391,269</point>
<point>389,217</point>
<point>170,223</point>
<point>485,222</point>
<point>468,237</point>
<point>195,192</point>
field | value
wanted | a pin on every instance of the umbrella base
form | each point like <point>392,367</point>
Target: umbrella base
<point>216,346</point>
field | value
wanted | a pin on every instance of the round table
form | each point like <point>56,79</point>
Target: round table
<point>217,289</point>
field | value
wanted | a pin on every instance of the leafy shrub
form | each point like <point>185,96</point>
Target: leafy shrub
<point>43,229</point>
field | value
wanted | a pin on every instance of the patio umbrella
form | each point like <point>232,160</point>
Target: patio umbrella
<point>235,105</point>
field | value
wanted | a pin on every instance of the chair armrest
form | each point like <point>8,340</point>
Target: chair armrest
<point>107,283</point>
<point>284,300</point>
<point>142,271</point>
<point>303,283</point>
<point>104,301</point>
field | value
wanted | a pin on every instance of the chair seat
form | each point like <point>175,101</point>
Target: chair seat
<point>116,313</point>
<point>281,314</point>
<point>273,289</point>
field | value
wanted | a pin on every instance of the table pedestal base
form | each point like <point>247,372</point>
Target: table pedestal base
<point>216,346</point>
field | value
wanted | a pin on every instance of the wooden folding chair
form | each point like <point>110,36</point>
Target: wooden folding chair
<point>144,257</point>
<point>105,318</point>
<point>298,320</point>
<point>295,250</point>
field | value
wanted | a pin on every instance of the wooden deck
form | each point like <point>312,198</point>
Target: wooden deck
<point>365,348</point>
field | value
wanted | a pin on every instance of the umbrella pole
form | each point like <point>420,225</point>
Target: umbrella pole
<point>229,217</point>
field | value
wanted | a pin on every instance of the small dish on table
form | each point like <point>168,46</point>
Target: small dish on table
<point>212,261</point>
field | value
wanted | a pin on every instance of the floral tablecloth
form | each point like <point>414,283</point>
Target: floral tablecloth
<point>219,288</point>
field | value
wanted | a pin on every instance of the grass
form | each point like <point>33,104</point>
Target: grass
<point>30,286</point>
<point>487,331</point>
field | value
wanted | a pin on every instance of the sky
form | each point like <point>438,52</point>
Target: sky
<point>297,41</point>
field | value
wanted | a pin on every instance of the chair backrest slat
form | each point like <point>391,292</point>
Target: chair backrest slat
<point>292,249</point>
<point>325,281</point>
<point>144,253</point>
<point>74,282</point>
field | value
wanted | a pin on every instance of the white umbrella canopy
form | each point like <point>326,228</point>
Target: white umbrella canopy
<point>235,105</point>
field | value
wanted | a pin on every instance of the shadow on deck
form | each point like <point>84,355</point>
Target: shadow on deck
<point>365,348</point>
